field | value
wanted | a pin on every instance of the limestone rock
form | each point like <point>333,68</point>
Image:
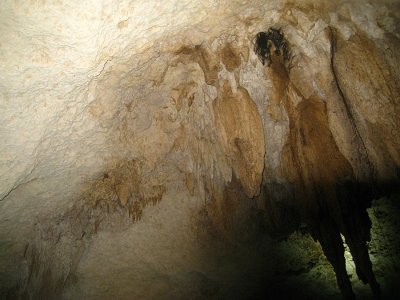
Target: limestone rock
<point>240,132</point>
<point>138,135</point>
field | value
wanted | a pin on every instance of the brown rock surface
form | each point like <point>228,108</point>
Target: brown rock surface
<point>146,152</point>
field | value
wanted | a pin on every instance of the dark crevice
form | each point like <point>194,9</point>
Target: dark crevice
<point>272,40</point>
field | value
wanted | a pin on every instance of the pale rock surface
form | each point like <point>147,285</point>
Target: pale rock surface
<point>108,106</point>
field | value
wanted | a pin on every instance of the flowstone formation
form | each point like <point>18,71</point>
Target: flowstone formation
<point>331,201</point>
<point>190,149</point>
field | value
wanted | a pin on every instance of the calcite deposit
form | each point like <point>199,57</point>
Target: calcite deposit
<point>151,150</point>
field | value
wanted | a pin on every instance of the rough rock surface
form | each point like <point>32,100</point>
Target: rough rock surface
<point>146,150</point>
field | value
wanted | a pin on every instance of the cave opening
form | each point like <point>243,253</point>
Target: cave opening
<point>199,150</point>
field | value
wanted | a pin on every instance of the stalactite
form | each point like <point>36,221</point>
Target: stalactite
<point>330,199</point>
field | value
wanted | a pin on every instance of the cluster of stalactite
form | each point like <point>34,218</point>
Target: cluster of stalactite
<point>328,196</point>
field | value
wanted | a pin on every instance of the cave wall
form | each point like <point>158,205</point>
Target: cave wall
<point>113,110</point>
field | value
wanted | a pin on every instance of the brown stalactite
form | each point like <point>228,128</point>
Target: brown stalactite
<point>362,148</point>
<point>330,198</point>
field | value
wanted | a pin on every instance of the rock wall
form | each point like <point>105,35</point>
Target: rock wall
<point>110,111</point>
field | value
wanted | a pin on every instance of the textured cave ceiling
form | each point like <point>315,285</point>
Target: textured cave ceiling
<point>141,140</point>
